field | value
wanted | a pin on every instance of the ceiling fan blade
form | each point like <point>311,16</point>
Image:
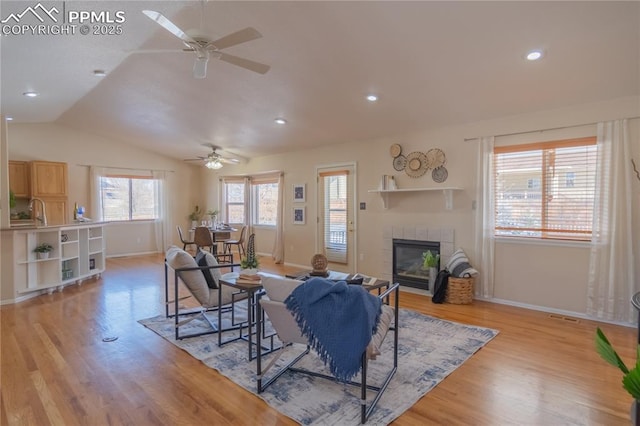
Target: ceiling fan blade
<point>244,63</point>
<point>168,25</point>
<point>238,37</point>
<point>229,160</point>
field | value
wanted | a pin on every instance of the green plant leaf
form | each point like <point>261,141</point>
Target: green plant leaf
<point>607,353</point>
<point>631,382</point>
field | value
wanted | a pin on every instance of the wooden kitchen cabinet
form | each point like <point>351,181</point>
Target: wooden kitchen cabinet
<point>48,179</point>
<point>19,179</point>
<point>56,210</point>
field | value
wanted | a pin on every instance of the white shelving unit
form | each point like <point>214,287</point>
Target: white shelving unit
<point>78,253</point>
<point>446,191</point>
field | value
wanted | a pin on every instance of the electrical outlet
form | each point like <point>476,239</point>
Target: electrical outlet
<point>139,240</point>
<point>361,256</point>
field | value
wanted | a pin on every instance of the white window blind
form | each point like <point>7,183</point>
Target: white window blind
<point>334,218</point>
<point>545,190</point>
<point>234,201</point>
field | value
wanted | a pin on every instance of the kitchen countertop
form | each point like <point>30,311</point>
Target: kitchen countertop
<point>30,225</point>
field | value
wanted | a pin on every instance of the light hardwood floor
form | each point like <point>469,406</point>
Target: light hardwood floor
<point>55,368</point>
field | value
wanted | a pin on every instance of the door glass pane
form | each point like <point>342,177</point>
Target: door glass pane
<point>335,217</point>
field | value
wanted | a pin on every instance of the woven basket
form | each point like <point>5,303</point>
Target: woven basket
<point>459,291</point>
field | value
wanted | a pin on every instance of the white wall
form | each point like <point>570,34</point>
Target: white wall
<point>52,142</point>
<point>526,274</point>
<point>535,275</point>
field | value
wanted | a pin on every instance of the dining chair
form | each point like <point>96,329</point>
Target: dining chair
<point>184,242</point>
<point>239,242</point>
<point>202,238</point>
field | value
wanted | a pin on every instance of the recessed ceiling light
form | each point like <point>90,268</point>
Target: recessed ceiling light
<point>372,98</point>
<point>9,118</point>
<point>99,73</point>
<point>31,94</point>
<point>280,121</point>
<point>534,55</point>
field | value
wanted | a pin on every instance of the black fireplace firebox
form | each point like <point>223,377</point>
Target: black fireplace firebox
<point>408,264</point>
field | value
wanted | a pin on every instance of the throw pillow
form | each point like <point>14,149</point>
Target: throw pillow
<point>194,280</point>
<point>212,276</point>
<point>459,265</point>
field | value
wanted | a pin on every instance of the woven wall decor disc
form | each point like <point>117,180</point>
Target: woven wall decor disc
<point>395,150</point>
<point>436,158</point>
<point>416,164</point>
<point>439,174</point>
<point>400,162</point>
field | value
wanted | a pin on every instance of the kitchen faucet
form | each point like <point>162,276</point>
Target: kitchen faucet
<point>43,217</point>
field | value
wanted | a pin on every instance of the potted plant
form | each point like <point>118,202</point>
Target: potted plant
<point>195,216</point>
<point>631,378</point>
<point>249,264</point>
<point>430,262</point>
<point>43,250</point>
<point>12,200</point>
<point>12,204</point>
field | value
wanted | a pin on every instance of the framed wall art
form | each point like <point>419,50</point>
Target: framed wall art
<point>299,193</point>
<point>299,215</point>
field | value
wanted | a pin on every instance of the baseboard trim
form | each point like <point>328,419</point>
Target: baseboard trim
<point>295,265</point>
<point>553,311</point>
<point>144,253</point>
<point>21,298</point>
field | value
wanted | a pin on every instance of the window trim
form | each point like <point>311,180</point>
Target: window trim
<point>227,204</point>
<point>130,178</point>
<point>255,202</point>
<point>544,231</point>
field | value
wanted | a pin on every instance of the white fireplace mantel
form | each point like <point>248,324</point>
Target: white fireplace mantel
<point>446,191</point>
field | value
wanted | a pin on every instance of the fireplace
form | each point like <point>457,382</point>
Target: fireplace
<point>407,262</point>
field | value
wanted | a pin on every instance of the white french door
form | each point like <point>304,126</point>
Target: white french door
<point>336,232</point>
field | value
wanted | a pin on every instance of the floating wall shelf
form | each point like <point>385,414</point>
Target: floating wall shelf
<point>447,192</point>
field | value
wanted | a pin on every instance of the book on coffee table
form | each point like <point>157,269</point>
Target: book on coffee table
<point>249,279</point>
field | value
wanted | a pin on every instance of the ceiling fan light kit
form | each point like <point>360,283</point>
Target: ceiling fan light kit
<point>200,66</point>
<point>213,163</point>
<point>214,160</point>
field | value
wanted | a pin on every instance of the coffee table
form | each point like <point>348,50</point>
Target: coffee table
<point>254,320</point>
<point>255,314</point>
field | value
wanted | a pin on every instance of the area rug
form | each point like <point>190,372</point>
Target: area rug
<point>429,350</point>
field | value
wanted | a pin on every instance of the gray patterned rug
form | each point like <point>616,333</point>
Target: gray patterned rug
<point>429,350</point>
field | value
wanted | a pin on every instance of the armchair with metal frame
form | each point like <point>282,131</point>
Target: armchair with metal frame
<point>289,333</point>
<point>187,271</point>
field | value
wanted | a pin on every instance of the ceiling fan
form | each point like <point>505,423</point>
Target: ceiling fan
<point>214,160</point>
<point>205,48</point>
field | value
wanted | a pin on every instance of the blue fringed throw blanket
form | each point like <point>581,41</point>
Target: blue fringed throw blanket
<point>338,319</point>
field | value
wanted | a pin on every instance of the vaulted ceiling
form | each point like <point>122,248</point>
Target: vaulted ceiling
<point>431,64</point>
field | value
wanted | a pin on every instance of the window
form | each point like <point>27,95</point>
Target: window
<point>126,198</point>
<point>234,202</point>
<point>545,190</point>
<point>265,203</point>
